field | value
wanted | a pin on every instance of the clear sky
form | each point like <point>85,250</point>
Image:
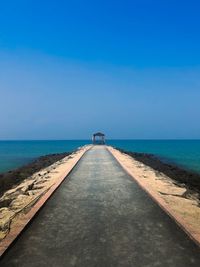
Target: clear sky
<point>128,68</point>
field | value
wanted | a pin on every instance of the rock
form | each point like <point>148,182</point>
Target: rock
<point>21,201</point>
<point>6,216</point>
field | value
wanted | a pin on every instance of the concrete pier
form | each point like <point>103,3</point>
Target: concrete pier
<point>100,217</point>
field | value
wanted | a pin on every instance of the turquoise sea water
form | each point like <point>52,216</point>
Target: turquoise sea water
<point>185,153</point>
<point>16,153</point>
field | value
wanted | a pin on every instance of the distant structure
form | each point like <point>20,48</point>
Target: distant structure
<point>98,139</point>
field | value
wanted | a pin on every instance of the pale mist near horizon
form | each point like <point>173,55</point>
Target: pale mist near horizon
<point>48,98</point>
<point>68,70</point>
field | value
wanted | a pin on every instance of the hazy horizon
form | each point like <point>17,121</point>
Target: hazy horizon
<point>107,139</point>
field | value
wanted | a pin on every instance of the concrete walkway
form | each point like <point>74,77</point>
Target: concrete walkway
<point>99,217</point>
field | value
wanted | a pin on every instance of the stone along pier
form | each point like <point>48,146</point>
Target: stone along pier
<point>100,217</point>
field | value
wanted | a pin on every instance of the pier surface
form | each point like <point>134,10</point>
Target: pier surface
<point>100,217</point>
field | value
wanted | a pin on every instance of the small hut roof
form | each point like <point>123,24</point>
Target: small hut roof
<point>98,134</point>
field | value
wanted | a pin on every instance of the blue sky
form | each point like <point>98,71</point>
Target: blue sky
<point>128,68</point>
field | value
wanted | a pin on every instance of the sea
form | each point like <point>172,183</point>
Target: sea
<point>184,153</point>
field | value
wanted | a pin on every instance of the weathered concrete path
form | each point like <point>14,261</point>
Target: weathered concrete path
<point>100,217</point>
